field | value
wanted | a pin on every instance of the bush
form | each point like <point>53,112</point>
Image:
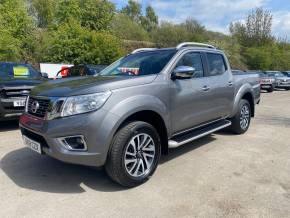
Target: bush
<point>71,43</point>
<point>125,28</point>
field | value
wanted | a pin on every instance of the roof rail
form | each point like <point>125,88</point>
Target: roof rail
<point>142,49</point>
<point>184,44</point>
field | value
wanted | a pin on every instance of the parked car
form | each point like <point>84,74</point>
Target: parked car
<point>16,81</point>
<point>282,81</point>
<point>80,70</point>
<point>268,82</point>
<point>139,107</point>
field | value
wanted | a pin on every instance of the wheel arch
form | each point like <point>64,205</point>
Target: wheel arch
<point>155,119</point>
<point>245,92</point>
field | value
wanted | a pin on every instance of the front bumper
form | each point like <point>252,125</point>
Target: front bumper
<point>8,111</point>
<point>96,128</point>
<point>283,85</point>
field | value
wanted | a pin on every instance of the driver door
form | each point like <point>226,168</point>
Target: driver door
<point>189,98</point>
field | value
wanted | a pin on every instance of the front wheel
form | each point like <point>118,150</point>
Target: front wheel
<point>270,89</point>
<point>241,121</point>
<point>134,154</point>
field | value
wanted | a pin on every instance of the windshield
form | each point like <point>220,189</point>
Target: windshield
<point>271,74</point>
<point>263,75</point>
<point>140,64</point>
<point>11,70</point>
<point>279,74</point>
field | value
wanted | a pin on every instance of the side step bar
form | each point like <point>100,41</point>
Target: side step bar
<point>182,139</point>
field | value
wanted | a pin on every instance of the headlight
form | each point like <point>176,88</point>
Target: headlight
<point>84,103</point>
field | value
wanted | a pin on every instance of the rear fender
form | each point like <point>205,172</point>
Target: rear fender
<point>246,88</point>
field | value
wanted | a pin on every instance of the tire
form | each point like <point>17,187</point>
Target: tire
<point>241,121</point>
<point>288,88</point>
<point>270,89</point>
<point>141,164</point>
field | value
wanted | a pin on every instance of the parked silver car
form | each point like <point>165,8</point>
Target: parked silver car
<point>139,107</point>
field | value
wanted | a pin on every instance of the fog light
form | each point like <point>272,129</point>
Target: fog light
<point>74,143</point>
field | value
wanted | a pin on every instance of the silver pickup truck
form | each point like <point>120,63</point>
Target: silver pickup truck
<point>139,107</point>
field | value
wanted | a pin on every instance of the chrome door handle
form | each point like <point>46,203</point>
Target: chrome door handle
<point>205,88</point>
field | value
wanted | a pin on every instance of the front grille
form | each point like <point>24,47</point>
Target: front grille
<point>38,107</point>
<point>10,93</point>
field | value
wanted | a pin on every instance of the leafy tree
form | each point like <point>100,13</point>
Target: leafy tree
<point>16,31</point>
<point>257,28</point>
<point>44,11</point>
<point>97,14</point>
<point>258,58</point>
<point>72,43</point>
<point>169,34</point>
<point>196,31</point>
<point>67,10</point>
<point>150,20</point>
<point>92,14</point>
<point>133,10</point>
<point>123,27</point>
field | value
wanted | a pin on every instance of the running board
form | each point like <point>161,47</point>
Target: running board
<point>182,139</point>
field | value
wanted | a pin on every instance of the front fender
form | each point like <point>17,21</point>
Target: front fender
<point>139,103</point>
<point>246,88</point>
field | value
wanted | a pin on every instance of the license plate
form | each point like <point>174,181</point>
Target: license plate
<point>33,145</point>
<point>19,103</point>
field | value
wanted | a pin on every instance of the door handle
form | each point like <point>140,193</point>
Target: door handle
<point>231,83</point>
<point>205,88</point>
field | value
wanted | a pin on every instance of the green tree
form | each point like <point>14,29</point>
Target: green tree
<point>196,31</point>
<point>133,10</point>
<point>97,14</point>
<point>92,14</point>
<point>258,58</point>
<point>169,34</point>
<point>257,30</point>
<point>150,20</point>
<point>72,43</point>
<point>16,31</point>
<point>123,27</point>
<point>44,11</point>
<point>67,10</point>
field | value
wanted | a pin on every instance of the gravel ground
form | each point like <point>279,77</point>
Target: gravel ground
<point>221,175</point>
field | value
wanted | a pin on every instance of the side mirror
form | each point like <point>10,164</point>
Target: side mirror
<point>182,72</point>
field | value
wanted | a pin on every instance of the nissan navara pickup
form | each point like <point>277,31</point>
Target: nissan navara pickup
<point>137,108</point>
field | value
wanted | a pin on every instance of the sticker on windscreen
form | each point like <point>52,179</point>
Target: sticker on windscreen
<point>20,71</point>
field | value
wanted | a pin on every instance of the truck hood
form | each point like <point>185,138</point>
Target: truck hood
<point>19,83</point>
<point>283,78</point>
<point>88,85</point>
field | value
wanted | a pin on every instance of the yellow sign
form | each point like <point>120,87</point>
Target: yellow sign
<point>20,71</point>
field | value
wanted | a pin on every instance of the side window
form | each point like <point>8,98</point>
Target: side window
<point>216,64</point>
<point>192,59</point>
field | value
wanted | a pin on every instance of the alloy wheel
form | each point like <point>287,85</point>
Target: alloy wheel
<point>139,155</point>
<point>245,117</point>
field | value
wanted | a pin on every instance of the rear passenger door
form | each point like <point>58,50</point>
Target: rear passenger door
<point>220,85</point>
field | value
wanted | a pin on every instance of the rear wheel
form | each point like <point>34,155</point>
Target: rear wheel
<point>134,154</point>
<point>241,121</point>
